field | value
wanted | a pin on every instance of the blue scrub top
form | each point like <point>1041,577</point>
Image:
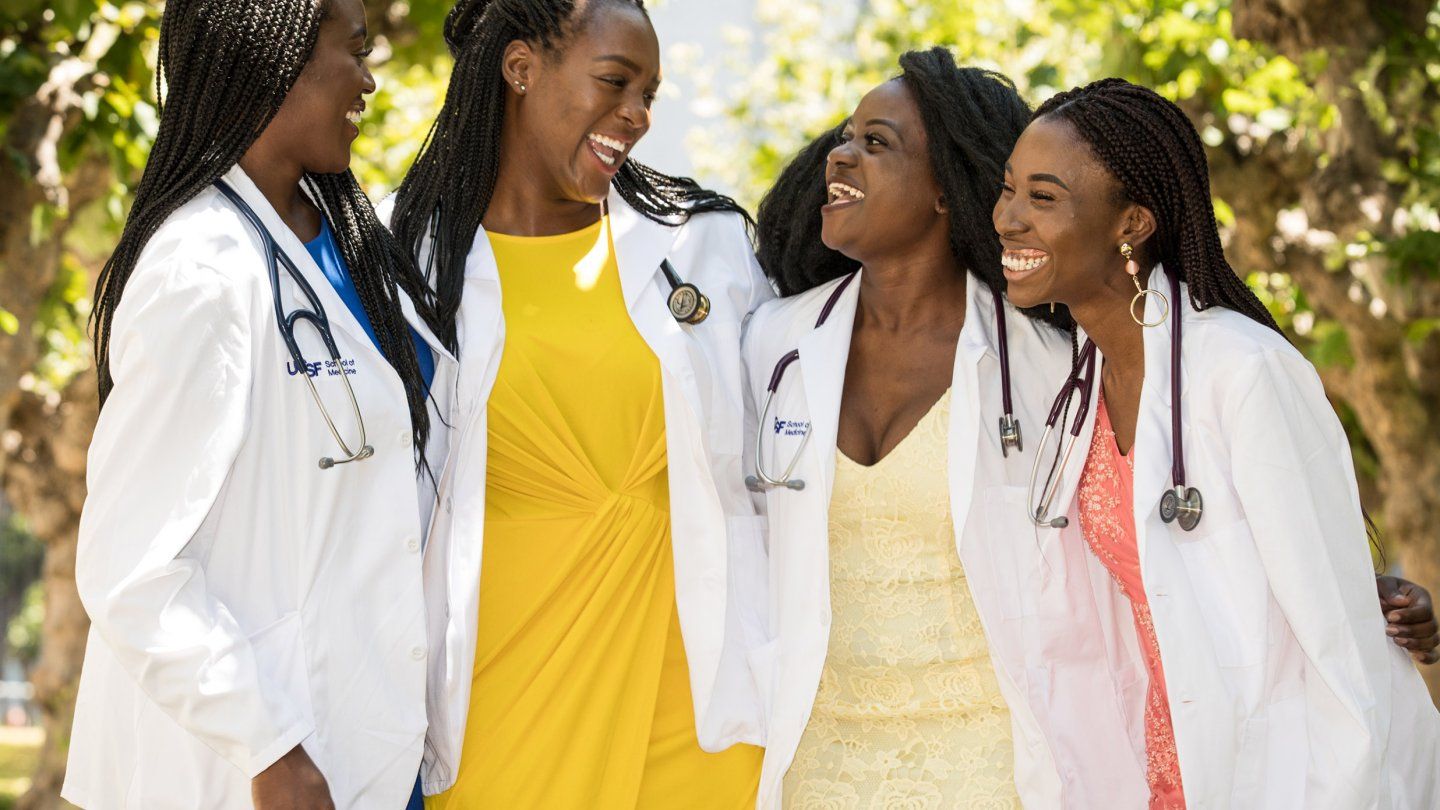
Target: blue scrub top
<point>326,253</point>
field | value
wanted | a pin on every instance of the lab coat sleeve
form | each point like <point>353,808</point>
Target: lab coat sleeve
<point>1296,483</point>
<point>181,359</point>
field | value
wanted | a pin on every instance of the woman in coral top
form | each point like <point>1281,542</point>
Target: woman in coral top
<point>1244,647</point>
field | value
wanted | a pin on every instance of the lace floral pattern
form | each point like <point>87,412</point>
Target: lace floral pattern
<point>1107,520</point>
<point>909,714</point>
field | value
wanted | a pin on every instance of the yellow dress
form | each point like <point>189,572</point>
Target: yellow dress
<point>581,694</point>
<point>909,714</point>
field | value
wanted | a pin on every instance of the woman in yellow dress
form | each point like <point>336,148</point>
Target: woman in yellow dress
<point>577,662</point>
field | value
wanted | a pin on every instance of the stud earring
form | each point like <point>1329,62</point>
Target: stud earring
<point>520,87</point>
<point>1133,268</point>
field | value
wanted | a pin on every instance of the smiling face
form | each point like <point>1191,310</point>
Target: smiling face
<point>583,106</point>
<point>317,121</point>
<point>883,197</point>
<point>1061,218</point>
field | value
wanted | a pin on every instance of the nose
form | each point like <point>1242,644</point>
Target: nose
<point>842,156</point>
<point>368,86</point>
<point>1007,218</point>
<point>635,112</point>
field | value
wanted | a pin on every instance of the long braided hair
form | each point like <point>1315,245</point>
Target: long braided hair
<point>449,187</point>
<point>226,67</point>
<point>972,119</point>
<point>1153,150</point>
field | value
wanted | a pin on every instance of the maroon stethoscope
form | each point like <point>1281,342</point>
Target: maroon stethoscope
<point>761,481</point>
<point>1179,503</point>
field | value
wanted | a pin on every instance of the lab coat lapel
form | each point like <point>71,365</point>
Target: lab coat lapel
<point>824,354</point>
<point>974,342</point>
<point>1152,448</point>
<point>334,307</point>
<point>640,245</point>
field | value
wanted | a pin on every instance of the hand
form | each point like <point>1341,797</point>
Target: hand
<point>1411,618</point>
<point>292,783</point>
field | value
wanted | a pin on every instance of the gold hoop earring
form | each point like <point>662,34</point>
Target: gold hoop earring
<point>1133,268</point>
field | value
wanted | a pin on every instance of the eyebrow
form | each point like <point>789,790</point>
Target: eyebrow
<point>1040,177</point>
<point>1048,178</point>
<point>622,59</point>
<point>886,122</point>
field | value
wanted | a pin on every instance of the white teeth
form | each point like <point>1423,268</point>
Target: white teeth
<point>609,143</point>
<point>353,116</point>
<point>838,190</point>
<point>1022,263</point>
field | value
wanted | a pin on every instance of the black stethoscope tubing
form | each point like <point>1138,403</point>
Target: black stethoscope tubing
<point>276,258</point>
<point>1179,503</point>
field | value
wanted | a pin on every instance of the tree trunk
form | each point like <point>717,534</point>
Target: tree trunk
<point>45,438</point>
<point>1391,385</point>
<point>45,479</point>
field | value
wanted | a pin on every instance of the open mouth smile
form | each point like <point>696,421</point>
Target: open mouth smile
<point>841,195</point>
<point>1020,262</point>
<point>610,151</point>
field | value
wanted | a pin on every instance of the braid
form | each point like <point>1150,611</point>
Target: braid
<point>972,119</point>
<point>225,68</point>
<point>450,185</point>
<point>1152,149</point>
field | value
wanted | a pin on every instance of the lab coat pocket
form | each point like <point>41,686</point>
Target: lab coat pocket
<point>1224,573</point>
<point>1013,548</point>
<point>280,660</point>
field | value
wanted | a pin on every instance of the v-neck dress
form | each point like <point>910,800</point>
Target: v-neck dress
<point>909,712</point>
<point>1107,519</point>
<point>581,692</point>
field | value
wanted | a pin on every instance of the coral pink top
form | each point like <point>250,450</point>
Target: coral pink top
<point>1107,519</point>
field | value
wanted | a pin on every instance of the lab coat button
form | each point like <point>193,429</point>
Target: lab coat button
<point>412,544</point>
<point>404,438</point>
<point>418,653</point>
<point>449,505</point>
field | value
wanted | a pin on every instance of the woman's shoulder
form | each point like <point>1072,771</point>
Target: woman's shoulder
<point>206,231</point>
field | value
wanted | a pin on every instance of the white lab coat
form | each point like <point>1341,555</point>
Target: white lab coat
<point>715,530</point>
<point>1284,689</point>
<point>243,600</point>
<point>1050,677</point>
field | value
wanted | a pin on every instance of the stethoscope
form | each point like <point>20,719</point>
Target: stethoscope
<point>762,481</point>
<point>316,317</point>
<point>1179,503</point>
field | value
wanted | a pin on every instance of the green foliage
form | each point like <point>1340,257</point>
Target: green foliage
<point>817,63</point>
<point>23,634</point>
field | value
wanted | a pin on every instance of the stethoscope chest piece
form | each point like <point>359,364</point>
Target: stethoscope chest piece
<point>687,304</point>
<point>1010,435</point>
<point>1183,505</point>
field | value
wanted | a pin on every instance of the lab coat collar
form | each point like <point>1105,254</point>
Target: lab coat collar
<point>824,355</point>
<point>335,308</point>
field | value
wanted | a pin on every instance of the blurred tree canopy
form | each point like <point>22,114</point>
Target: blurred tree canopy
<point>1321,117</point>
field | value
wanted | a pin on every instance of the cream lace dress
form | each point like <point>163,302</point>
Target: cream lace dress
<point>909,715</point>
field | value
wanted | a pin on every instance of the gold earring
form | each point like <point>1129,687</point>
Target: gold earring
<point>1133,268</point>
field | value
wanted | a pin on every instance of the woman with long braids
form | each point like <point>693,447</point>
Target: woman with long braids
<point>1247,659</point>
<point>944,670</point>
<point>249,550</point>
<point>598,430</point>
